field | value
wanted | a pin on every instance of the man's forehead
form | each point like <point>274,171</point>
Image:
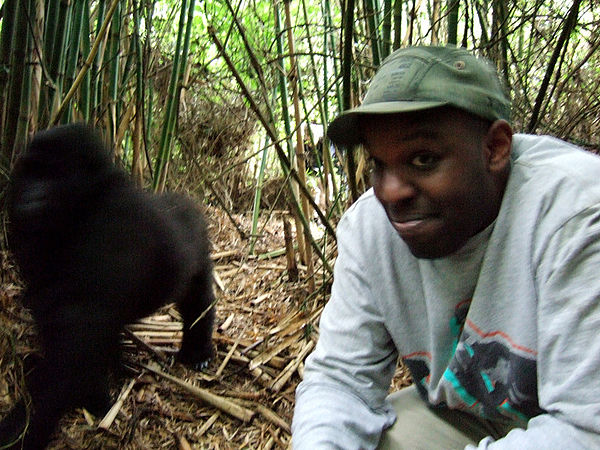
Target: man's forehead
<point>416,125</point>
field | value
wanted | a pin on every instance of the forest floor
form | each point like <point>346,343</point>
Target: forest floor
<point>266,326</point>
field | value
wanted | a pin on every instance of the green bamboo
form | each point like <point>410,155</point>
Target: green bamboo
<point>397,24</point>
<point>86,85</point>
<point>86,65</point>
<point>165,139</point>
<point>28,10</point>
<point>15,80</point>
<point>179,63</point>
<point>387,29</point>
<point>136,166</point>
<point>254,63</point>
<point>500,38</point>
<point>325,60</point>
<point>149,85</point>
<point>321,101</point>
<point>331,31</point>
<point>284,160</point>
<point>37,36</point>
<point>283,91</point>
<point>52,17</point>
<point>568,26</point>
<point>73,51</point>
<point>373,35</point>
<point>328,37</point>
<point>114,57</point>
<point>96,74</point>
<point>50,24</point>
<point>347,62</point>
<point>481,10</point>
<point>258,195</point>
<point>6,39</point>
<point>59,51</point>
<point>452,6</point>
<point>302,233</point>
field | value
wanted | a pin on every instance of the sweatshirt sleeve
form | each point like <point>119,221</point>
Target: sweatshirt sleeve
<point>341,401</point>
<point>568,342</point>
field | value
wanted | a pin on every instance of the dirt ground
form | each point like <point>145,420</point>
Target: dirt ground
<point>266,326</point>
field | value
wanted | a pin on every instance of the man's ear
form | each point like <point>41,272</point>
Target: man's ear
<point>498,143</point>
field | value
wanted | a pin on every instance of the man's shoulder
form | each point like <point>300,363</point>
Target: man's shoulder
<point>365,213</point>
<point>555,154</point>
<point>557,168</point>
<point>366,225</point>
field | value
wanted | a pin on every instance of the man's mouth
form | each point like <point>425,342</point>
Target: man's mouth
<point>414,226</point>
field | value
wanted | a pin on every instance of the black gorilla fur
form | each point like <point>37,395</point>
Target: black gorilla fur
<point>96,253</point>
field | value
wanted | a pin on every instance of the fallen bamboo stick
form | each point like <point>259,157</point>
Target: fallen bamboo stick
<point>263,378</point>
<point>109,418</point>
<point>229,355</point>
<point>221,403</point>
<point>155,326</point>
<point>269,414</point>
<point>144,345</point>
<point>287,373</point>
<point>224,254</point>
<point>209,423</point>
<point>273,418</point>
<point>267,356</point>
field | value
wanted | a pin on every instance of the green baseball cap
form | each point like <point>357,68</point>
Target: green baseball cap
<point>419,78</point>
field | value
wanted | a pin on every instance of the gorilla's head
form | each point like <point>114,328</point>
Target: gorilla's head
<point>60,170</point>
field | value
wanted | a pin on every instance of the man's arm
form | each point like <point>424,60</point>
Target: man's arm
<point>341,402</point>
<point>568,326</point>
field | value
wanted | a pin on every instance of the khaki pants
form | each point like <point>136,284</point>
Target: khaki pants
<point>421,427</point>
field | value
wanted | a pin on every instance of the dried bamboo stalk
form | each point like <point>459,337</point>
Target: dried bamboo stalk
<point>229,355</point>
<point>272,417</point>
<point>182,442</point>
<point>144,345</point>
<point>209,423</point>
<point>286,374</point>
<point>224,254</point>
<point>156,326</point>
<point>266,357</point>
<point>110,416</point>
<point>225,405</point>
<point>265,379</point>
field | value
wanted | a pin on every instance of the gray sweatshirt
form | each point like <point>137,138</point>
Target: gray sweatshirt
<point>507,328</point>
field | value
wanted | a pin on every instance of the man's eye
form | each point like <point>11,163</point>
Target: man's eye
<point>425,161</point>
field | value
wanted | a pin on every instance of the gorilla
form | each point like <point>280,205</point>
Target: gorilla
<point>96,253</point>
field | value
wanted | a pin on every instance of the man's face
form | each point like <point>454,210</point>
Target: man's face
<point>432,175</point>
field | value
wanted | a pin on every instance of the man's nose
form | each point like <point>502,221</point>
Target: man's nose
<point>394,187</point>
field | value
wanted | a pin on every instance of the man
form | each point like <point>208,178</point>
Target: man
<point>474,259</point>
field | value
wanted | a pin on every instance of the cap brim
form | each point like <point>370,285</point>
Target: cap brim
<point>345,129</point>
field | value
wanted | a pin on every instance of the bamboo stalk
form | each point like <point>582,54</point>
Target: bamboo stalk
<point>287,373</point>
<point>282,157</point>
<point>272,417</point>
<point>141,343</point>
<point>265,357</point>
<point>229,355</point>
<point>86,65</point>
<point>110,416</point>
<point>209,423</point>
<point>222,403</point>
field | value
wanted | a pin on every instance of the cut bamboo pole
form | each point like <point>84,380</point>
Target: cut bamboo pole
<point>287,373</point>
<point>225,405</point>
<point>110,416</point>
